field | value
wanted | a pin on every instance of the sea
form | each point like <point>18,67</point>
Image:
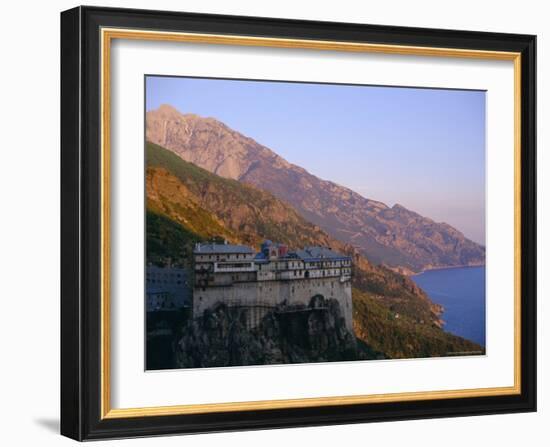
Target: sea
<point>461,291</point>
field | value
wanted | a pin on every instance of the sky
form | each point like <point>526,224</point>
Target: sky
<point>421,148</point>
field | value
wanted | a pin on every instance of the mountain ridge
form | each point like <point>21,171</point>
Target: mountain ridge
<point>395,236</point>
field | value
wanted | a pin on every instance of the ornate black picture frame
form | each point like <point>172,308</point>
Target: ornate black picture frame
<point>86,36</point>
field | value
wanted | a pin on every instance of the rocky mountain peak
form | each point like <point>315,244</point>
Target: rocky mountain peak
<point>169,111</point>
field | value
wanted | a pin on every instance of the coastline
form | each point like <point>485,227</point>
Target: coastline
<point>448,268</point>
<point>446,293</point>
<point>410,273</point>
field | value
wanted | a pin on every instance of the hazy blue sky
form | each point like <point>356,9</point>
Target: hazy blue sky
<point>421,148</point>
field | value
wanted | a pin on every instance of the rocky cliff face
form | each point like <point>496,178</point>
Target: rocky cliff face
<point>394,236</point>
<point>298,334</point>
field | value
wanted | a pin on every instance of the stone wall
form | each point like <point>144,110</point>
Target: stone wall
<point>264,294</point>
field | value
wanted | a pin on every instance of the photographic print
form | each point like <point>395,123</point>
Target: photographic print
<point>295,222</point>
<point>249,201</point>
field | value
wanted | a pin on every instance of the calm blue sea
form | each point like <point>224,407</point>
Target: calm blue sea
<point>462,292</point>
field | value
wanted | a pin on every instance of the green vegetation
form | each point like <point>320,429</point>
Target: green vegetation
<point>168,243</point>
<point>400,335</point>
<point>397,293</point>
<point>212,205</point>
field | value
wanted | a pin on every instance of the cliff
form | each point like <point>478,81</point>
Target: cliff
<point>299,334</point>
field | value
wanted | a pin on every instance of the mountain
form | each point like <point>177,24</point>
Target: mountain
<point>187,204</point>
<point>394,236</point>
